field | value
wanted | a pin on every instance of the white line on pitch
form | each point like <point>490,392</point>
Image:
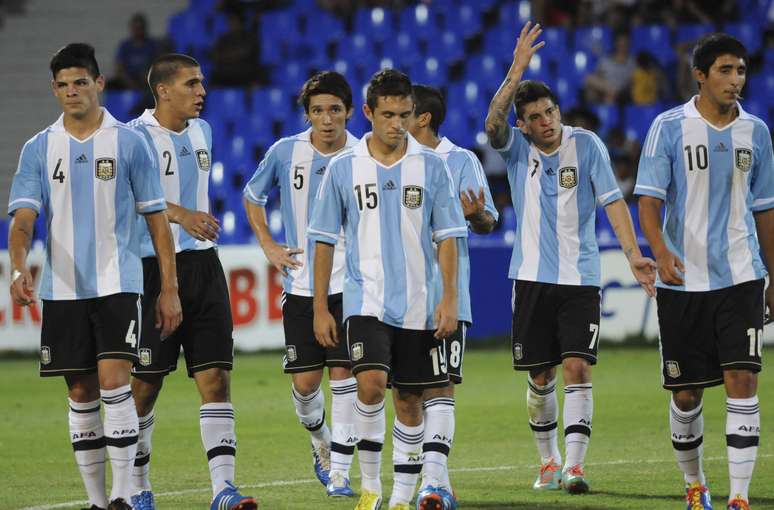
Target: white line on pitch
<point>282,483</point>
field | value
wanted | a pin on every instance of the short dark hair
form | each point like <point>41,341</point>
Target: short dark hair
<point>326,82</point>
<point>529,91</point>
<point>387,82</point>
<point>75,55</point>
<point>428,99</point>
<point>165,67</point>
<point>711,46</point>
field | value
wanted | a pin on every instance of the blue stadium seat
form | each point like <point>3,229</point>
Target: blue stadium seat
<point>419,21</point>
<point>487,70</point>
<point>230,103</point>
<point>556,48</point>
<point>203,7</point>
<point>403,50</point>
<point>637,119</point>
<point>594,40</point>
<point>499,42</point>
<point>537,70</point>
<point>291,74</point>
<point>747,32</point>
<point>322,27</point>
<point>653,39</point>
<point>377,22</point>
<point>274,103</point>
<point>609,117</point>
<point>449,47</point>
<point>768,60</point>
<point>257,130</point>
<point>469,97</point>
<point>189,31</point>
<point>429,71</point>
<point>761,87</point>
<point>566,91</point>
<point>580,64</point>
<point>465,20</point>
<point>514,15</point>
<point>691,32</point>
<point>457,127</point>
<point>4,224</point>
<point>358,49</point>
<point>293,123</point>
<point>358,125</point>
<point>121,102</point>
<point>759,108</point>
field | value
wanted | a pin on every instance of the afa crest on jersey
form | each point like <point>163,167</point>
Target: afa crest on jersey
<point>357,351</point>
<point>517,352</point>
<point>203,160</point>
<point>290,353</point>
<point>568,177</point>
<point>743,159</point>
<point>145,356</point>
<point>45,355</point>
<point>105,168</point>
<point>672,369</point>
<point>412,196</point>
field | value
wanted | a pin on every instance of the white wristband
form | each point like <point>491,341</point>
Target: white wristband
<point>15,275</point>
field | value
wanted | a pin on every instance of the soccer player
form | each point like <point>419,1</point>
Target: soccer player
<point>91,175</point>
<point>710,162</point>
<point>477,206</point>
<point>181,142</point>
<point>297,164</point>
<point>393,197</point>
<point>558,174</point>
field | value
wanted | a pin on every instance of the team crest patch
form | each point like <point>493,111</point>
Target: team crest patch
<point>517,352</point>
<point>743,159</point>
<point>568,177</point>
<point>45,355</point>
<point>412,196</point>
<point>145,356</point>
<point>105,168</point>
<point>357,351</point>
<point>203,159</point>
<point>672,369</point>
<point>291,354</point>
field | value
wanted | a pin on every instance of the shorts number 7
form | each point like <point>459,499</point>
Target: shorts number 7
<point>594,328</point>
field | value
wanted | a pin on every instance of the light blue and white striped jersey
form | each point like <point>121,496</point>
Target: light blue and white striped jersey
<point>297,167</point>
<point>555,199</point>
<point>391,215</point>
<point>91,191</point>
<point>466,173</point>
<point>712,180</point>
<point>184,170</point>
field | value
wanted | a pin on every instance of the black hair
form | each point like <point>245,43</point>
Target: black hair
<point>428,99</point>
<point>529,91</point>
<point>387,82</point>
<point>165,67</point>
<point>75,55</point>
<point>326,82</point>
<point>711,46</point>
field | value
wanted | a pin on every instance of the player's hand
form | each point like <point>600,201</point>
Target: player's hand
<point>525,45</point>
<point>325,329</point>
<point>670,268</point>
<point>644,270</point>
<point>169,312</point>
<point>282,257</point>
<point>200,225</point>
<point>445,318</point>
<point>22,287</point>
<point>473,206</point>
<point>769,297</point>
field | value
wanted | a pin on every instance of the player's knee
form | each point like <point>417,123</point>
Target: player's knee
<point>740,383</point>
<point>447,391</point>
<point>145,390</point>
<point>371,386</point>
<point>576,371</point>
<point>541,377</point>
<point>114,373</point>
<point>339,373</point>
<point>213,385</point>
<point>687,400</point>
<point>306,383</point>
<point>408,406</point>
<point>83,388</point>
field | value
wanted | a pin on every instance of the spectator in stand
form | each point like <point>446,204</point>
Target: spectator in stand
<point>134,56</point>
<point>235,55</point>
<point>609,81</point>
<point>648,84</point>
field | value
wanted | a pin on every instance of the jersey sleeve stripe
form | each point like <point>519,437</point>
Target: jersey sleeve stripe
<point>249,195</point>
<point>603,198</point>
<point>141,206</point>
<point>14,204</point>
<point>655,132</point>
<point>762,203</point>
<point>642,189</point>
<point>333,237</point>
<point>477,169</point>
<point>445,233</point>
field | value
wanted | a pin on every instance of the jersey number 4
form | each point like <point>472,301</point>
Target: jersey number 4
<point>58,174</point>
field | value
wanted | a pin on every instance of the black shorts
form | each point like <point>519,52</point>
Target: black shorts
<point>412,358</point>
<point>76,333</point>
<point>206,331</point>
<point>704,333</point>
<point>302,352</point>
<point>552,322</point>
<point>455,352</point>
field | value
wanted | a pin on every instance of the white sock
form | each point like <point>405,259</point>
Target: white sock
<point>687,437</point>
<point>406,461</point>
<point>743,428</point>
<point>216,421</point>
<point>370,426</point>
<point>121,429</point>
<point>543,410</point>
<point>310,410</point>
<point>141,472</point>
<point>439,436</point>
<point>578,409</point>
<point>89,446</point>
<point>344,438</point>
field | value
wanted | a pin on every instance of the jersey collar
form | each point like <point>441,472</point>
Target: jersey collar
<point>566,135</point>
<point>361,147</point>
<point>445,147</point>
<point>306,136</point>
<point>690,111</point>
<point>108,121</point>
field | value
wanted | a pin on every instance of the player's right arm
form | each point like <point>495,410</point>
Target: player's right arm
<point>653,178</point>
<point>324,227</point>
<point>255,195</point>
<point>24,206</point>
<point>497,128</point>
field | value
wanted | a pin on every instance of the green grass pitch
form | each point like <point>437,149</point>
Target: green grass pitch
<point>494,462</point>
